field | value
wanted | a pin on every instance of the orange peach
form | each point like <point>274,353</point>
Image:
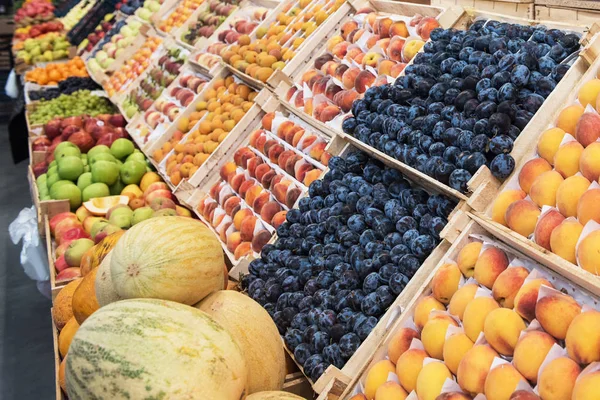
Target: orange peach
<point>531,170</point>
<point>400,343</point>
<point>568,194</point>
<point>503,201</point>
<point>588,129</point>
<point>526,297</point>
<point>545,226</point>
<point>568,117</point>
<point>544,188</point>
<point>549,142</point>
<point>521,217</point>
<point>530,351</point>
<point>555,311</point>
<point>564,239</point>
<point>588,207</point>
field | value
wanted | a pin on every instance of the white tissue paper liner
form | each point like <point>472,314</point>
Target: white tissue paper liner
<point>450,386</point>
<point>534,325</point>
<point>453,330</point>
<point>481,340</point>
<point>483,292</point>
<point>412,396</point>
<point>416,344</point>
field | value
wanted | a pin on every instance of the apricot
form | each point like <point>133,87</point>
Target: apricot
<point>461,298</point>
<point>491,262</point>
<point>453,396</point>
<point>390,391</point>
<point>244,249</point>
<point>445,282</point>
<point>431,379</point>
<point>568,117</point>
<point>455,348</point>
<point>408,367</point>
<point>589,162</point>
<point>569,193</point>
<point>586,387</point>
<point>473,368</point>
<point>589,93</point>
<point>566,159</point>
<point>530,352</point>
<point>502,328</point>
<point>564,239</point>
<point>424,307</point>
<point>588,129</point>
<point>501,382</point>
<point>583,337</point>
<point>557,379</point>
<point>555,312</point>
<point>588,207</point>
<point>544,188</point>
<point>521,217</point>
<point>549,143</point>
<point>588,251</point>
<point>503,201</point>
<point>475,314</point>
<point>508,284</point>
<point>545,225</point>
<point>524,395</point>
<point>233,241</point>
<point>467,258</point>
<point>433,336</point>
<point>377,376</point>
<point>530,171</point>
<point>526,298</point>
<point>400,343</point>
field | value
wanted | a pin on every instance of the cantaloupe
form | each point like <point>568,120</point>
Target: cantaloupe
<point>66,336</point>
<point>61,375</point>
<point>105,291</point>
<point>94,256</point>
<point>256,333</point>
<point>84,298</point>
<point>170,258</point>
<point>154,349</point>
<point>62,310</point>
<point>274,395</point>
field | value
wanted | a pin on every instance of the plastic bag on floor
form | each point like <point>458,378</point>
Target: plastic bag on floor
<point>33,254</point>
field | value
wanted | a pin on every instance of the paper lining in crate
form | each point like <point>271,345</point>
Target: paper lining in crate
<point>499,278</point>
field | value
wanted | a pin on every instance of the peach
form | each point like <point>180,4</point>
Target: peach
<point>399,28</point>
<point>348,27</point>
<point>247,228</point>
<point>557,379</point>
<point>274,152</point>
<point>267,120</point>
<point>311,176</point>
<point>502,328</point>
<point>445,282</point>
<point>424,307</point>
<point>555,312</point>
<point>587,253</point>
<point>549,142</point>
<point>411,49</point>
<point>359,396</point>
<point>244,249</point>
<point>586,387</point>
<point>545,225</point>
<point>589,93</point>
<point>260,200</point>
<point>530,352</point>
<point>475,314</point>
<point>280,191</point>
<point>349,77</point>
<point>268,210</point>
<point>431,380</point>
<point>333,41</point>
<point>461,298</point>
<point>501,382</point>
<point>568,194</point>
<point>261,238</point>
<point>526,297</point>
<point>390,391</point>
<point>508,284</point>
<point>433,336</point>
<point>227,169</point>
<point>455,348</point>
<point>521,217</point>
<point>400,343</point>
<point>339,71</point>
<point>544,188</point>
<point>408,367</point>
<point>363,81</point>
<point>564,239</point>
<point>240,216</point>
<point>524,395</point>
<point>588,207</point>
<point>345,98</point>
<point>473,368</point>
<point>467,258</point>
<point>261,170</point>
<point>252,164</point>
<point>568,117</point>
<point>252,193</point>
<point>394,50</point>
<point>530,171</point>
<point>491,262</point>
<point>377,376</point>
<point>503,201</point>
<point>589,162</point>
<point>339,50</point>
<point>329,113</point>
<point>566,159</point>
<point>382,27</point>
<point>291,196</point>
<point>385,67</point>
<point>453,396</point>
<point>236,181</point>
<point>233,241</point>
<point>588,129</point>
<point>278,219</point>
<point>583,337</point>
<point>241,156</point>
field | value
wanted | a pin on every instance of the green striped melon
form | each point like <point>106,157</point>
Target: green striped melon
<point>105,291</point>
<point>154,349</point>
<point>170,258</point>
<point>255,332</point>
<point>274,396</point>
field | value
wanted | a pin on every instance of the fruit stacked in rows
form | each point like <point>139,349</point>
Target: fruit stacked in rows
<point>109,36</point>
<point>49,47</point>
<point>223,107</point>
<point>564,178</point>
<point>342,257</point>
<point>34,12</point>
<point>464,100</point>
<point>207,60</point>
<point>66,86</point>
<point>497,306</point>
<point>273,46</point>
<point>208,21</point>
<point>179,15</point>
<point>113,48</point>
<point>148,9</point>
<point>99,33</point>
<point>158,78</point>
<point>53,74</point>
<point>36,30</point>
<point>76,13</point>
<point>387,54</point>
<point>81,102</point>
<point>246,20</point>
<point>133,67</point>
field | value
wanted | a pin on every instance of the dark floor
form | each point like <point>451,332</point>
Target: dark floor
<point>26,349</point>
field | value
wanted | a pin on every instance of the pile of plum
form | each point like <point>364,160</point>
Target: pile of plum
<point>342,258</point>
<point>464,100</point>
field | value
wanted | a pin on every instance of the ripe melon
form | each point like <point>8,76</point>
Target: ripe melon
<point>94,256</point>
<point>274,396</point>
<point>61,375</point>
<point>62,310</point>
<point>66,336</point>
<point>84,298</point>
<point>171,258</point>
<point>256,333</point>
<point>103,286</point>
<point>154,349</point>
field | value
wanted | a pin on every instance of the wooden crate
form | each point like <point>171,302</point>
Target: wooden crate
<point>571,11</point>
<point>35,156</point>
<point>472,230</point>
<point>48,208</point>
<point>516,8</point>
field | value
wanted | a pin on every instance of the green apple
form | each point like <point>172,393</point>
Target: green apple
<point>86,168</point>
<point>53,170</point>
<point>101,148</point>
<point>41,180</point>
<point>117,188</point>
<point>52,179</point>
<point>136,156</point>
<point>43,191</point>
<point>67,191</point>
<point>84,181</point>
<point>141,214</point>
<point>98,225</point>
<point>121,217</point>
<point>45,197</point>
<point>101,157</point>
<point>132,172</point>
<point>70,168</point>
<point>76,250</point>
<point>54,163</point>
<point>105,172</point>
<point>66,150</point>
<point>95,190</point>
<point>121,148</point>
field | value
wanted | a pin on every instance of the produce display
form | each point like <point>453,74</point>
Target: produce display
<point>53,74</point>
<point>66,86</point>
<point>179,15</point>
<point>52,46</point>
<point>496,325</point>
<point>554,196</point>
<point>34,12</point>
<point>99,33</point>
<point>147,10</point>
<point>464,100</point>
<point>76,13</point>
<point>68,105</point>
<point>209,20</point>
<point>33,31</point>
<point>118,43</point>
<point>269,48</point>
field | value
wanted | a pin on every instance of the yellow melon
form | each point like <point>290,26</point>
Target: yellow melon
<point>84,298</point>
<point>62,311</point>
